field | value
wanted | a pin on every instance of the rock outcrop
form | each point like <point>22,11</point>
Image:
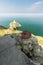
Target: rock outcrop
<point>10,54</point>
<point>30,44</point>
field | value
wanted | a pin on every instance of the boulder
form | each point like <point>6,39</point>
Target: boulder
<point>26,35</point>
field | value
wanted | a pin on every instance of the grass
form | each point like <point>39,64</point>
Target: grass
<point>6,31</point>
<point>2,32</point>
<point>40,39</point>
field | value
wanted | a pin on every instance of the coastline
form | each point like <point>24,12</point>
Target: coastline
<point>3,31</point>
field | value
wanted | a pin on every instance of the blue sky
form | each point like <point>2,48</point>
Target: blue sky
<point>21,6</point>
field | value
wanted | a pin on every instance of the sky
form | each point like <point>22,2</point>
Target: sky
<point>21,6</point>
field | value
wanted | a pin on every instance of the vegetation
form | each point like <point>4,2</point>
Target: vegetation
<point>40,39</point>
<point>6,31</point>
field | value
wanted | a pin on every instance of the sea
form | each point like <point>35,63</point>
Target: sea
<point>33,24</point>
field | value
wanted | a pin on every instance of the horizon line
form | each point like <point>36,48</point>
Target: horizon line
<point>19,14</point>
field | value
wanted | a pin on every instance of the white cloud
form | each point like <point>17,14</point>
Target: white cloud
<point>36,7</point>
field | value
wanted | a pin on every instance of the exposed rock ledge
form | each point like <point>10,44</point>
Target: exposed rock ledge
<point>2,27</point>
<point>10,54</point>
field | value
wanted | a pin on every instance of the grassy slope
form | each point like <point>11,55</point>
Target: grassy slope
<point>40,39</point>
<point>6,31</point>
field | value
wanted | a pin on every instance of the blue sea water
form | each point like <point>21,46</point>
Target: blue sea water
<point>34,24</point>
